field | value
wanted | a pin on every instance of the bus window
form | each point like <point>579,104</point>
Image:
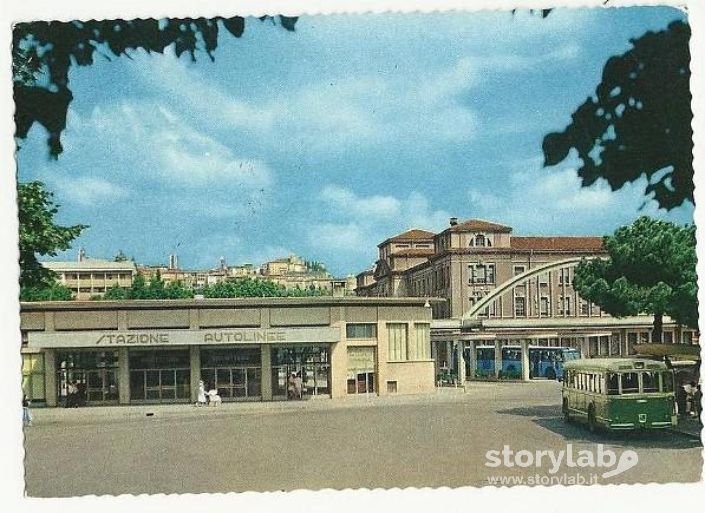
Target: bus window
<point>649,381</point>
<point>667,381</point>
<point>612,384</point>
<point>630,383</point>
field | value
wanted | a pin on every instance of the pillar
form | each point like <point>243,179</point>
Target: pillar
<point>338,370</point>
<point>50,377</point>
<point>497,358</point>
<point>460,358</point>
<point>123,376</point>
<point>449,355</point>
<point>525,359</point>
<point>585,347</point>
<point>266,363</point>
<point>472,360</point>
<point>195,358</point>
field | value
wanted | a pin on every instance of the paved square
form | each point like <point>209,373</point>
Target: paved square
<point>437,440</point>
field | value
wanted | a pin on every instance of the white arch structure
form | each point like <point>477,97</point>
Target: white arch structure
<point>519,279</point>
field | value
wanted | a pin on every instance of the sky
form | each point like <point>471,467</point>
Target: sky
<point>326,141</point>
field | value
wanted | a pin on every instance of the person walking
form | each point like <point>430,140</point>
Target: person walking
<point>698,402</point>
<point>681,400</point>
<point>26,414</point>
<point>201,398</point>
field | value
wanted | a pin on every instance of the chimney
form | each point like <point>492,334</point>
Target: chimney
<point>453,221</point>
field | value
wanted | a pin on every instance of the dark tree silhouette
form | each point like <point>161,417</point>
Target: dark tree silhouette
<point>43,52</point>
<point>638,123</point>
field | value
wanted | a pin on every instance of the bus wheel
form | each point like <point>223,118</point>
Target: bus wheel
<point>550,373</point>
<point>566,411</point>
<point>592,421</point>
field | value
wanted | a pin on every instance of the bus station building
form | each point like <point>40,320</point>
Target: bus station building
<point>157,351</point>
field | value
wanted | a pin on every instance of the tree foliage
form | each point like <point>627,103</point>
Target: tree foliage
<point>250,287</point>
<point>650,269</point>
<point>44,52</point>
<point>638,123</point>
<point>52,292</point>
<point>39,234</point>
<point>154,289</point>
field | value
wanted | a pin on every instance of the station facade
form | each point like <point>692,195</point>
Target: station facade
<point>142,352</point>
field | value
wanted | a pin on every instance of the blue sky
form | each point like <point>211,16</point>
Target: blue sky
<point>326,141</point>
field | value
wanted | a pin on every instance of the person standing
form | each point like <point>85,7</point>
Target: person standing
<point>698,402</point>
<point>681,400</point>
<point>26,414</point>
<point>298,386</point>
<point>201,399</point>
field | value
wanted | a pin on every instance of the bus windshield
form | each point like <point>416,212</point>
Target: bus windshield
<point>630,383</point>
<point>612,384</point>
<point>667,380</point>
<point>650,381</point>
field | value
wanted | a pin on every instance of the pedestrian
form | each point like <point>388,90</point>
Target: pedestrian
<point>291,386</point>
<point>26,414</point>
<point>298,386</point>
<point>201,398</point>
<point>698,402</point>
<point>71,392</point>
<point>681,400</point>
<point>692,409</point>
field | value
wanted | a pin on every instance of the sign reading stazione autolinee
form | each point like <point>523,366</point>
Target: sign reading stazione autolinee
<point>183,337</point>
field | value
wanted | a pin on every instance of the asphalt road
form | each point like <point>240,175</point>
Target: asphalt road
<point>439,440</point>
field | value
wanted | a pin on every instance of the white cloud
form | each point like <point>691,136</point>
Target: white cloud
<point>541,201</point>
<point>85,191</point>
<point>176,152</point>
<point>333,113</point>
<point>363,222</point>
<point>360,207</point>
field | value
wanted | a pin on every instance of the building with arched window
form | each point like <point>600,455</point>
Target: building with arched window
<point>501,289</point>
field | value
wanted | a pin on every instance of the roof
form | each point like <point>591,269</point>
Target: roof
<point>613,364</point>
<point>90,264</point>
<point>480,225</point>
<point>414,252</point>
<point>413,234</point>
<point>557,243</point>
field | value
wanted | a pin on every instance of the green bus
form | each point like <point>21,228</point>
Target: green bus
<point>619,393</point>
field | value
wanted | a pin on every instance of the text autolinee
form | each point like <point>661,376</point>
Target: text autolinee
<point>208,337</point>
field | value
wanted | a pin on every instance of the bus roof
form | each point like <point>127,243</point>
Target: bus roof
<point>614,364</point>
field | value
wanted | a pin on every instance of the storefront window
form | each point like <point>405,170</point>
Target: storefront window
<point>235,372</point>
<point>160,375</point>
<point>310,363</point>
<point>87,377</point>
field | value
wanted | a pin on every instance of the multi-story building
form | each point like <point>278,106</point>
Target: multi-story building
<point>501,288</point>
<point>89,277</point>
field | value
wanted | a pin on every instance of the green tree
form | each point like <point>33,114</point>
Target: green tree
<point>650,270</point>
<point>638,123</point>
<point>39,234</point>
<point>44,52</point>
<point>52,292</point>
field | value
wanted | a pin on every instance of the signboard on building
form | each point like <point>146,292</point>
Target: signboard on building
<point>122,338</point>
